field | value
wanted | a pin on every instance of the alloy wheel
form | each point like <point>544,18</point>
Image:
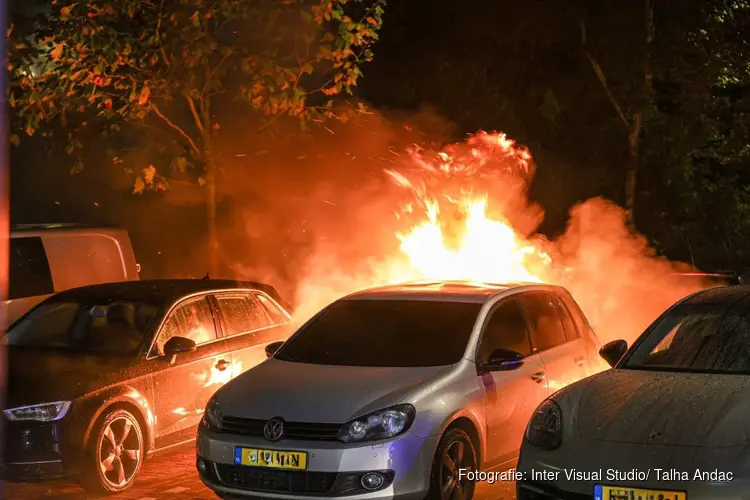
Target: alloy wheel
<point>455,486</point>
<point>119,452</point>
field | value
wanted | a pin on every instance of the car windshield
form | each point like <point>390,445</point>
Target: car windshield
<point>93,326</point>
<point>384,333</point>
<point>708,338</point>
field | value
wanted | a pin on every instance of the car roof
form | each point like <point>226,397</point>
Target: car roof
<point>164,290</point>
<point>445,291</point>
<point>720,295</point>
<point>31,230</point>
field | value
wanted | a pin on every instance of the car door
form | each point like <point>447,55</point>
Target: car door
<point>183,385</point>
<point>250,327</point>
<point>510,396</point>
<point>574,338</point>
<point>548,339</point>
<point>589,341</point>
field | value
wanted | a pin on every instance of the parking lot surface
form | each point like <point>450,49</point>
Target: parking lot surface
<point>173,476</point>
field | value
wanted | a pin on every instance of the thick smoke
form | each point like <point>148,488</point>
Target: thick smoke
<point>319,218</point>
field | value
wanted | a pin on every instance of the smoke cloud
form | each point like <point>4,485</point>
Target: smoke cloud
<point>317,216</point>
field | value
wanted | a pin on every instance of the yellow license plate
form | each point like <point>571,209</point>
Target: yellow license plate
<point>274,459</point>
<point>621,493</point>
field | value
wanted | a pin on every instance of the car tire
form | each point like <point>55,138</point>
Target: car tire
<point>115,454</point>
<point>455,451</point>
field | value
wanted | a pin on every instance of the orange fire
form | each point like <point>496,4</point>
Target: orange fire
<point>457,240</point>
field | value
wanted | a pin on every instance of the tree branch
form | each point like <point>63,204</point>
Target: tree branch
<point>177,128</point>
<point>191,105</point>
<point>603,79</point>
<point>158,36</point>
<point>211,74</point>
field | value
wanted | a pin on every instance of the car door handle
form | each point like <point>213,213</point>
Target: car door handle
<point>538,377</point>
<point>222,365</point>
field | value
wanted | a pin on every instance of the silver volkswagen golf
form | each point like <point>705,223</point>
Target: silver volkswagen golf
<point>398,391</point>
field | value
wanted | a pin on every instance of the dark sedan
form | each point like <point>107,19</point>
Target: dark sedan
<point>102,376</point>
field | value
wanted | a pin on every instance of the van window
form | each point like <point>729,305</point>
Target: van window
<point>84,259</point>
<point>29,269</point>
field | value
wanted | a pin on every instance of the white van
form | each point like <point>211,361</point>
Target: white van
<point>49,258</point>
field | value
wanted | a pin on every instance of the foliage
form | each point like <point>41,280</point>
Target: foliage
<point>165,62</point>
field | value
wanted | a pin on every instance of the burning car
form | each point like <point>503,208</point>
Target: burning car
<point>669,421</point>
<point>390,391</point>
<point>104,375</point>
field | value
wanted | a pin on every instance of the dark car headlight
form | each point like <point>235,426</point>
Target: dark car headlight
<point>381,424</point>
<point>545,427</point>
<point>45,412</point>
<point>212,417</point>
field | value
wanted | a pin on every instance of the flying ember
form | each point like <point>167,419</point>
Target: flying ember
<point>456,239</point>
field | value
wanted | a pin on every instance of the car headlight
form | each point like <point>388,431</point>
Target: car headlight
<point>381,424</point>
<point>213,416</point>
<point>45,412</point>
<point>545,427</point>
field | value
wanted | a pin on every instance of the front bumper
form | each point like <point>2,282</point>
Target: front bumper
<point>334,469</point>
<point>549,475</point>
<point>33,451</point>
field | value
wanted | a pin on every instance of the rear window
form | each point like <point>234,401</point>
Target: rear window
<point>29,274</point>
<point>241,313</point>
<point>708,338</point>
<point>277,316</point>
<point>384,333</point>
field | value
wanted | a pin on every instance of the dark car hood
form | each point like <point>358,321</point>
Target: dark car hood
<point>666,408</point>
<point>43,375</point>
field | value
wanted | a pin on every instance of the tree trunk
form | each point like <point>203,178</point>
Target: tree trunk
<point>213,235</point>
<point>631,174</point>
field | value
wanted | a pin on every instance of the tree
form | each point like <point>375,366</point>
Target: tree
<point>166,63</point>
<point>632,124</point>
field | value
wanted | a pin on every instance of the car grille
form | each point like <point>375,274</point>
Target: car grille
<point>292,430</point>
<point>258,479</point>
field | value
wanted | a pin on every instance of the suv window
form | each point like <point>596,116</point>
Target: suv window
<point>546,328</point>
<point>571,332</point>
<point>193,320</point>
<point>241,314</point>
<point>506,329</point>
<point>277,316</point>
<point>29,269</point>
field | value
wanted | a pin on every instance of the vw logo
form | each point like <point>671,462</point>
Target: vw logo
<point>274,429</point>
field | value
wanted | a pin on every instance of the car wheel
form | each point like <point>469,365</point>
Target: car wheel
<point>455,453</point>
<point>115,455</point>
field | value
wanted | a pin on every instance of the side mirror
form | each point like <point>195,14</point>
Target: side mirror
<point>503,360</point>
<point>178,345</point>
<point>612,352</point>
<point>272,348</point>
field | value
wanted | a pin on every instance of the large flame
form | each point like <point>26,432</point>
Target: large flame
<point>465,214</point>
<point>457,240</point>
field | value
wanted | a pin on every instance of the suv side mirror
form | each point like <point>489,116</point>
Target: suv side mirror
<point>503,360</point>
<point>612,352</point>
<point>273,347</point>
<point>179,345</point>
